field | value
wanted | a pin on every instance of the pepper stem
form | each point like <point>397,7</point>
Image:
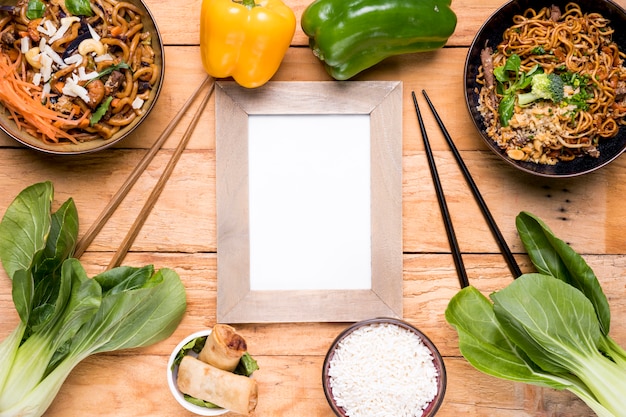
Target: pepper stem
<point>250,4</point>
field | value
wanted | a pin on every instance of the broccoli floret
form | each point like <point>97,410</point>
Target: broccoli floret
<point>544,86</point>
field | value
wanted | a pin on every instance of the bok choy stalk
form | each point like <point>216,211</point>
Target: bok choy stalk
<point>32,203</point>
<point>548,329</point>
<point>65,316</point>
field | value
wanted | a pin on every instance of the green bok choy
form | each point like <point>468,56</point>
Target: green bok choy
<point>549,328</point>
<point>65,316</point>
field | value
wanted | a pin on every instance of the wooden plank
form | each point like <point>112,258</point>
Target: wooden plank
<point>471,15</point>
<point>429,283</point>
<point>288,385</point>
<point>555,201</point>
<point>291,354</point>
<point>181,234</point>
<point>184,219</point>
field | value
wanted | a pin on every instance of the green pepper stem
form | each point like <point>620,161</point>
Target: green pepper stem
<point>250,4</point>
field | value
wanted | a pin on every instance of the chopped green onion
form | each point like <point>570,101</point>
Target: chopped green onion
<point>79,7</point>
<point>100,111</point>
<point>35,9</point>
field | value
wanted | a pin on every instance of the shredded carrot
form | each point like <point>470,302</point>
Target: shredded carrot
<point>58,86</point>
<point>84,122</point>
<point>116,31</point>
<point>13,54</point>
<point>21,98</point>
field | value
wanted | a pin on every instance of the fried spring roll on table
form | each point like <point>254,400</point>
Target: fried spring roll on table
<point>224,348</point>
<point>234,392</point>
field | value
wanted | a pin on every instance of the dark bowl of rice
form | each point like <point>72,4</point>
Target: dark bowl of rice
<point>567,158</point>
<point>383,366</point>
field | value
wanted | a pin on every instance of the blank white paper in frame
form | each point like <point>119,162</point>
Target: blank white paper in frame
<point>309,202</point>
<point>309,197</point>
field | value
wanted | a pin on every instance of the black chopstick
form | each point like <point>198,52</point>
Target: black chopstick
<point>454,245</point>
<point>495,230</point>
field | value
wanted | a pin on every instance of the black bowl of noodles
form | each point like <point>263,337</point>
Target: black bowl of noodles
<point>555,135</point>
<point>77,81</point>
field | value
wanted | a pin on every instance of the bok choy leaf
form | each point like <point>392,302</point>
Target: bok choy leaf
<point>23,231</point>
<point>485,345</point>
<point>25,227</point>
<point>548,329</point>
<point>552,256</point>
<point>65,316</point>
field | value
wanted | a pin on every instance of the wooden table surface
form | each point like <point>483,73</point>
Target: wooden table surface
<point>588,212</point>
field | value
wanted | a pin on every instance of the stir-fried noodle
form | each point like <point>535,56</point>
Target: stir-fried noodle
<point>579,48</point>
<point>67,78</point>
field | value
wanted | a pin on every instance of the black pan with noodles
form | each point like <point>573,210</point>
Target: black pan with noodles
<point>604,149</point>
<point>77,76</point>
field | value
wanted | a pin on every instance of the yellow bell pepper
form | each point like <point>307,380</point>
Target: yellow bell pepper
<point>246,40</point>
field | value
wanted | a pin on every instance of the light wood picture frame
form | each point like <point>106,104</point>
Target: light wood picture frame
<point>379,103</point>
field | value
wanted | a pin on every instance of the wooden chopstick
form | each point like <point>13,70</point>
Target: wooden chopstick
<point>156,192</point>
<point>454,245</point>
<point>495,230</point>
<point>108,211</point>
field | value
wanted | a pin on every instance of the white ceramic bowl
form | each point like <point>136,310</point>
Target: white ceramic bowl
<point>172,375</point>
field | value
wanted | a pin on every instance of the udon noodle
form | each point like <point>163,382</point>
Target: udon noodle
<point>67,78</point>
<point>579,48</point>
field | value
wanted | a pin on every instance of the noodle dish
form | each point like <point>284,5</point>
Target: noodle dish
<point>547,90</point>
<point>77,75</point>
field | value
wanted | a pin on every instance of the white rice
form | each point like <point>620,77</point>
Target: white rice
<point>382,370</point>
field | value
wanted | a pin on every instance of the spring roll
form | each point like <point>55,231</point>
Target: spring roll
<point>224,348</point>
<point>230,391</point>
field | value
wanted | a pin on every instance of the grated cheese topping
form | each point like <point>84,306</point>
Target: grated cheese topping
<point>93,32</point>
<point>137,103</point>
<point>103,58</point>
<point>49,61</point>
<point>383,370</point>
<point>24,44</point>
<point>73,89</point>
<point>66,22</point>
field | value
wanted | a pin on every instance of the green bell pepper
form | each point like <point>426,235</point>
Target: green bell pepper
<point>349,36</point>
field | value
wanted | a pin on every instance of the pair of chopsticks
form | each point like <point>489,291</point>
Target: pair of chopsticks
<point>108,211</point>
<point>454,245</point>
